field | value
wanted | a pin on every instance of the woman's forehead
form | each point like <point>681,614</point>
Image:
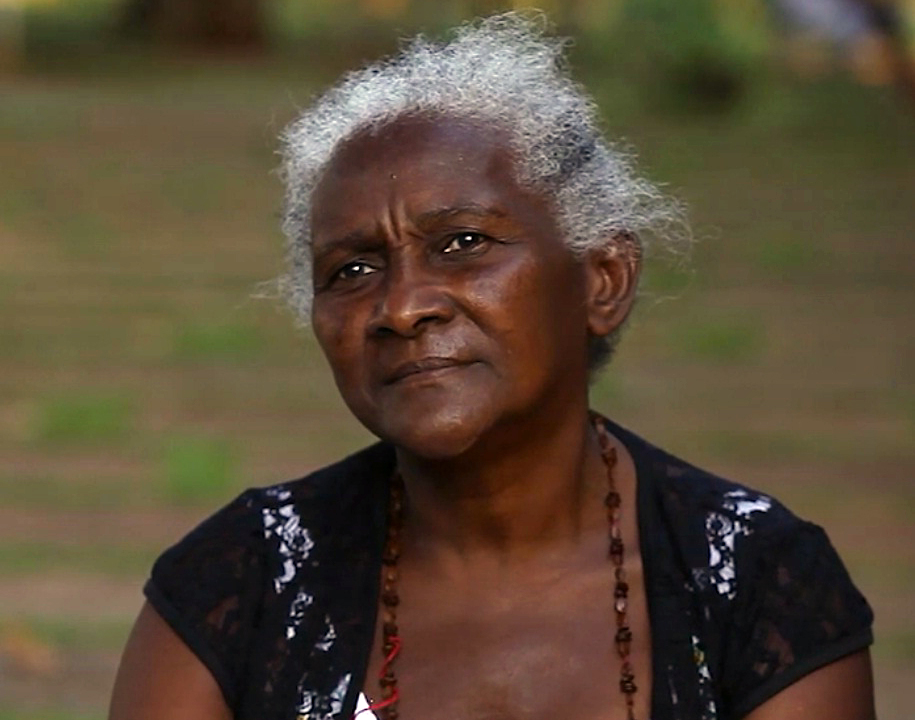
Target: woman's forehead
<point>423,165</point>
<point>417,139</point>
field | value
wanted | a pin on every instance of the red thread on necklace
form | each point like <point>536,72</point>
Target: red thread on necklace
<point>396,644</point>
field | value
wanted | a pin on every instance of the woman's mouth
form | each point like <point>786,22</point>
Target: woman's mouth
<point>421,368</point>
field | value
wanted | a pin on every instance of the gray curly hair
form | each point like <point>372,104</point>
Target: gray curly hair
<point>505,72</point>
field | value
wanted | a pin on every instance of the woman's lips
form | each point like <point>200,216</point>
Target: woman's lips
<point>421,367</point>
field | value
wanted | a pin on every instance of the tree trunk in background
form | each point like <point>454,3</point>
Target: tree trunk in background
<point>200,23</point>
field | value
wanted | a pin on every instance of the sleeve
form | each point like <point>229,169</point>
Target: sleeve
<point>798,612</point>
<point>208,588</point>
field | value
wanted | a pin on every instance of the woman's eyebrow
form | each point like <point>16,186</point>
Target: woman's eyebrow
<point>356,241</point>
<point>433,217</point>
<point>362,241</point>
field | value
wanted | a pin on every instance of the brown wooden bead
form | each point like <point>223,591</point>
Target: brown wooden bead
<point>616,552</point>
<point>623,640</point>
<point>627,685</point>
<point>616,549</point>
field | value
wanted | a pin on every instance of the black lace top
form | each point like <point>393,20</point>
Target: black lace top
<point>277,592</point>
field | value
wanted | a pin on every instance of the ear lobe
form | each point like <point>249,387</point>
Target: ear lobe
<point>613,274</point>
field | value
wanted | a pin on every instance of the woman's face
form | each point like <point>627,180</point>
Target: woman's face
<point>448,307</point>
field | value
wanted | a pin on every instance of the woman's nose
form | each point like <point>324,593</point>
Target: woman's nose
<point>412,300</point>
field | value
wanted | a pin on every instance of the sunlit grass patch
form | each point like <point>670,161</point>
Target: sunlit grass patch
<point>72,634</point>
<point>226,341</point>
<point>720,340</point>
<point>84,235</point>
<point>788,256</point>
<point>11,340</point>
<point>755,446</point>
<point>38,114</point>
<point>9,284</point>
<point>197,469</point>
<point>46,714</point>
<point>83,418</point>
<point>664,281</point>
<point>905,402</point>
<point>199,189</point>
<point>608,392</point>
<point>24,557</point>
<point>64,493</point>
<point>47,205</point>
<point>889,571</point>
<point>19,206</point>
<point>898,645</point>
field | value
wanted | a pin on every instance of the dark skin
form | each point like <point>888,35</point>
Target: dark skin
<point>452,259</point>
<point>456,323</point>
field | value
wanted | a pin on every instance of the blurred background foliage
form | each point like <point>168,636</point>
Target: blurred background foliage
<point>142,384</point>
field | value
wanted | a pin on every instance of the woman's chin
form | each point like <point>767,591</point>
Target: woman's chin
<point>443,435</point>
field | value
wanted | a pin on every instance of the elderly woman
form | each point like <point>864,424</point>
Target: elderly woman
<point>468,248</point>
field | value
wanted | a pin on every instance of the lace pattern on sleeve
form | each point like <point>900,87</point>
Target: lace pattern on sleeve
<point>208,589</point>
<point>799,612</point>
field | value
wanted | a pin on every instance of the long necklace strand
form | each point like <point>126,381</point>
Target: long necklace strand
<point>623,637</point>
<point>391,642</point>
<point>390,635</point>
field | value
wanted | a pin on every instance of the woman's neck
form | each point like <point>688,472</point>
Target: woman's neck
<point>507,502</point>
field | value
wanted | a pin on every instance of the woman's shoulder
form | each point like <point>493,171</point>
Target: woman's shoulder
<point>317,498</point>
<point>254,568</point>
<point>722,535</point>
<point>768,596</point>
<point>276,531</point>
<point>685,492</point>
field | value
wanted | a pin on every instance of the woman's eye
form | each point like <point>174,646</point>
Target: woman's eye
<point>464,241</point>
<point>353,270</point>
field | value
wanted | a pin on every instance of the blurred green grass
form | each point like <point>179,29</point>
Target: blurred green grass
<point>142,386</point>
<point>104,558</point>
<point>723,340</point>
<point>199,341</point>
<point>82,418</point>
<point>60,714</point>
<point>198,469</point>
<point>66,492</point>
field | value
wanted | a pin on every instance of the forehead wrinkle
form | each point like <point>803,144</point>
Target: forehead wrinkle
<point>390,223</point>
<point>432,217</point>
<point>401,210</point>
<point>356,241</point>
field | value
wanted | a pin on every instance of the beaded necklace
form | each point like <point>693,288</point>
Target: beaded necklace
<point>391,642</point>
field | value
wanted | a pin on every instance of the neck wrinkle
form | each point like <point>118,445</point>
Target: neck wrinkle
<point>519,503</point>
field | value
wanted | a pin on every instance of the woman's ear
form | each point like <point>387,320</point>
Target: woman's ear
<point>612,278</point>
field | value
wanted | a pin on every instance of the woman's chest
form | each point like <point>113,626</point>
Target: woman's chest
<point>535,654</point>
